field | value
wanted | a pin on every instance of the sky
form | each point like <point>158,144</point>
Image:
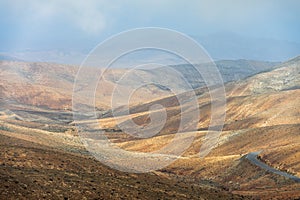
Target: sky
<point>80,25</point>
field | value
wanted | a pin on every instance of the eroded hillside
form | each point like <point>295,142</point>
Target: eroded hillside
<point>43,156</point>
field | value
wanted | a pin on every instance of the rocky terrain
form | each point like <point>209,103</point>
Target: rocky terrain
<point>262,113</point>
<point>43,157</point>
<point>44,162</point>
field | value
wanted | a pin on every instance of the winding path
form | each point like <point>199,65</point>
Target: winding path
<point>252,157</point>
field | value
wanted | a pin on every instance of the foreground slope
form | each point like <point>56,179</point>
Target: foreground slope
<point>39,164</point>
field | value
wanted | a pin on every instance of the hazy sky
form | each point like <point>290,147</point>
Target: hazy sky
<point>69,24</point>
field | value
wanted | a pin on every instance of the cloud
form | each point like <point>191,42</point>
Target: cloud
<point>86,15</point>
<point>66,21</point>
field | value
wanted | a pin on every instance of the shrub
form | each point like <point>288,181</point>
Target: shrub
<point>4,128</point>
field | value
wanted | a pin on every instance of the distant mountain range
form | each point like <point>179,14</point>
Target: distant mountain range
<point>51,85</point>
<point>232,46</point>
<point>220,46</point>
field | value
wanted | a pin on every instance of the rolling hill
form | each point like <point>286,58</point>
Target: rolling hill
<point>40,142</point>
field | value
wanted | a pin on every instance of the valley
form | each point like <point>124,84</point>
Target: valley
<point>43,155</point>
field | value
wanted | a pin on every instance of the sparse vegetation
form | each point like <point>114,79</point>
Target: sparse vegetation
<point>267,121</point>
<point>4,128</point>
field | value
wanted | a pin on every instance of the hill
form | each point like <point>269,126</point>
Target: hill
<point>262,113</point>
<point>40,142</point>
<point>51,85</point>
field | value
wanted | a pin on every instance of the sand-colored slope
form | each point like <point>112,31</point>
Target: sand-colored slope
<point>262,113</point>
<point>38,164</point>
<point>51,85</point>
